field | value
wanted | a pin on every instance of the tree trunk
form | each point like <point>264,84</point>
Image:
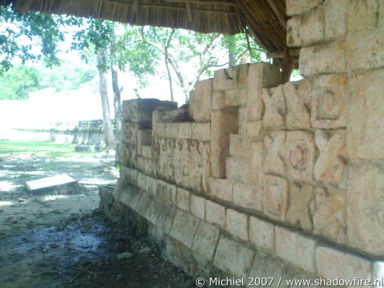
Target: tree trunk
<point>231,51</point>
<point>116,100</point>
<point>108,129</point>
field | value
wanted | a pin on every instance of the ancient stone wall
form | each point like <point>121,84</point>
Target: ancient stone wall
<point>291,172</point>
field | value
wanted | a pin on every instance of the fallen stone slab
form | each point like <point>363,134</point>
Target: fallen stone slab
<point>59,184</point>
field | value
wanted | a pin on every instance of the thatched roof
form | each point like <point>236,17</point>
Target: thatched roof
<point>265,20</point>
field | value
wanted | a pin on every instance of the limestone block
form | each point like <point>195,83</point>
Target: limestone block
<point>330,166</point>
<point>242,120</point>
<point>306,29</point>
<point>275,197</point>
<point>298,99</point>
<point>365,211</point>
<point>329,216</point>
<point>218,100</point>
<point>223,124</point>
<point>214,213</point>
<point>166,192</point>
<point>235,77</point>
<point>329,101</point>
<point>205,169</point>
<point>184,130</point>
<point>295,248</point>
<point>300,155</point>
<point>254,128</point>
<point>200,101</point>
<point>141,178</point>
<point>363,15</point>
<point>128,175</point>
<point>205,241</point>
<point>140,110</point>
<point>144,137</point>
<point>260,75</point>
<point>150,185</point>
<point>255,172</point>
<point>184,228</point>
<point>240,145</point>
<point>146,151</point>
<point>275,108</point>
<point>365,49</point>
<point>322,58</point>
<point>248,196</point>
<point>261,233</point>
<point>332,264</point>
<point>293,32</point>
<point>275,145</point>
<point>183,199</point>
<point>237,224</point>
<point>201,131</point>
<point>233,257</point>
<point>301,201</point>
<point>224,190</point>
<point>336,18</point>
<point>365,134</point>
<point>128,132</point>
<point>198,206</point>
<point>235,169</point>
<point>235,97</point>
<point>295,7</point>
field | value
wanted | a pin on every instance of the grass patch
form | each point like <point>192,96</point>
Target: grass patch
<point>43,148</point>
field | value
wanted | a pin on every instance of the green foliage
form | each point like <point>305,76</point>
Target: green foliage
<point>20,34</point>
<point>20,80</point>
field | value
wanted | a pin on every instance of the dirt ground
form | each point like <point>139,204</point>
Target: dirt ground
<point>49,240</point>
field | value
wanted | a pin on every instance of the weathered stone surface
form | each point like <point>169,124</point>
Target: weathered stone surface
<point>214,213</point>
<point>259,75</point>
<point>295,248</point>
<point>301,200</point>
<point>200,101</point>
<point>330,166</point>
<point>205,241</point>
<point>224,189</point>
<point>218,100</point>
<point>306,29</point>
<point>198,206</point>
<point>322,58</point>
<point>235,97</point>
<point>128,175</point>
<point>365,211</point>
<point>237,224</point>
<point>261,233</point>
<point>240,145</point>
<point>183,199</point>
<point>363,15</point>
<point>234,169</point>
<point>254,128</point>
<point>298,99</point>
<point>146,151</point>
<point>232,257</point>
<point>300,155</point>
<point>254,170</point>
<point>201,131</point>
<point>329,101</point>
<point>235,77</point>
<point>295,7</point>
<point>184,228</point>
<point>365,134</point>
<point>222,126</point>
<point>335,18</point>
<point>275,108</point>
<point>275,197</point>
<point>275,145</point>
<point>248,196</point>
<point>365,49</point>
<point>329,216</point>
<point>332,264</point>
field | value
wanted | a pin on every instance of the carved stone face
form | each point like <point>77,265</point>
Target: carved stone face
<point>299,155</point>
